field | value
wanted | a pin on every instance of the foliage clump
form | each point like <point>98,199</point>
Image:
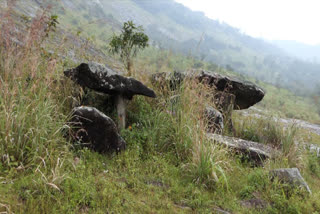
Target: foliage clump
<point>128,43</point>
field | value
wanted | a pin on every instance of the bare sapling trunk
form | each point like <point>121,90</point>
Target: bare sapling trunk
<point>121,110</point>
<point>129,67</point>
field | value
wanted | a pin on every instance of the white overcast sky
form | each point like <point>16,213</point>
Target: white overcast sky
<point>297,20</point>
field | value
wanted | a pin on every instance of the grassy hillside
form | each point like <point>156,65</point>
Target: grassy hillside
<point>87,22</point>
<point>171,25</point>
<point>169,166</point>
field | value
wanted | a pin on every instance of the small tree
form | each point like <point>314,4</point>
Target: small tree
<point>128,43</point>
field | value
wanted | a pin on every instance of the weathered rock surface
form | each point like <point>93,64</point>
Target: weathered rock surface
<point>309,127</point>
<point>255,151</point>
<point>314,128</point>
<point>173,80</point>
<point>183,208</point>
<point>247,94</point>
<point>314,149</point>
<point>291,176</point>
<point>102,79</point>
<point>215,120</point>
<point>220,211</point>
<point>254,203</point>
<point>95,130</point>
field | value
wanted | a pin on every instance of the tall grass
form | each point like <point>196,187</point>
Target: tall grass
<point>262,130</point>
<point>209,161</point>
<point>30,107</point>
<point>265,130</point>
<point>271,132</point>
<point>176,126</point>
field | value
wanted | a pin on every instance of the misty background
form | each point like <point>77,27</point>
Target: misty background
<point>261,48</point>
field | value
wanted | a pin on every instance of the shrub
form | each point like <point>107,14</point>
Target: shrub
<point>128,43</point>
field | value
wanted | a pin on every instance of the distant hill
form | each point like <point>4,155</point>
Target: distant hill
<point>300,50</point>
<point>171,25</point>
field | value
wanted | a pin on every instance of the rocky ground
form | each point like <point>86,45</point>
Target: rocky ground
<point>258,113</point>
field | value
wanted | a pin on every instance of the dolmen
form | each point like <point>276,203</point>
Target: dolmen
<point>229,93</point>
<point>102,79</point>
<point>246,93</point>
<point>91,127</point>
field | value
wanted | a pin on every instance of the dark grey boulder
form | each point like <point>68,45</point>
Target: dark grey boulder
<point>103,79</point>
<point>291,176</point>
<point>256,152</point>
<point>246,94</point>
<point>214,119</point>
<point>95,130</point>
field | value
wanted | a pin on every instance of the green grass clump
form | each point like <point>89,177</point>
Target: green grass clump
<point>273,133</point>
<point>314,165</point>
<point>174,127</point>
<point>265,130</point>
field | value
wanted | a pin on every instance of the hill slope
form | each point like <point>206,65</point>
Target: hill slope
<point>170,164</point>
<point>171,25</point>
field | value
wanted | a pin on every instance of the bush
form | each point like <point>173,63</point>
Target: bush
<point>128,43</point>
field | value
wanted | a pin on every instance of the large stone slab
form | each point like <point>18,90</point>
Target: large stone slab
<point>95,130</point>
<point>255,151</point>
<point>103,79</point>
<point>246,93</point>
<point>291,176</point>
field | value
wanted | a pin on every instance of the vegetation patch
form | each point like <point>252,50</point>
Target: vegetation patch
<point>169,165</point>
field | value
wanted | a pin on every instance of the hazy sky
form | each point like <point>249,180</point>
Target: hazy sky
<point>270,19</point>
